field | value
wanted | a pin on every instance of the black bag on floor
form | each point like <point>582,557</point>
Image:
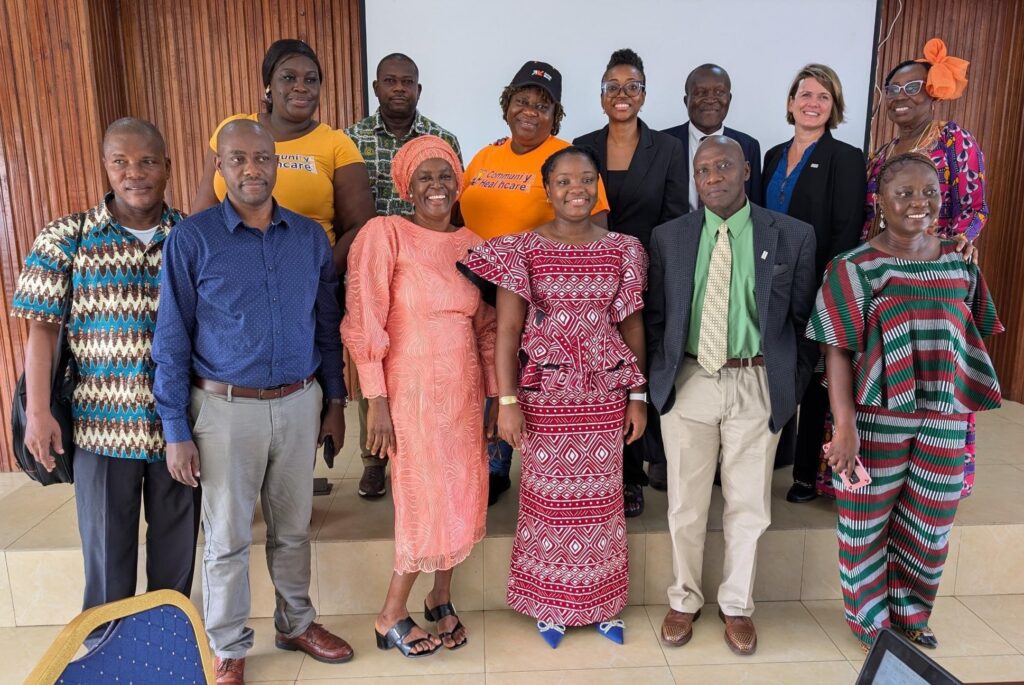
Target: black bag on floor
<point>62,388</point>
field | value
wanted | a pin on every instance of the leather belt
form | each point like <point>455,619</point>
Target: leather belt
<point>738,363</point>
<point>230,391</point>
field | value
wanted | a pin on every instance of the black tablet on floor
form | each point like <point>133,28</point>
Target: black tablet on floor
<point>893,660</point>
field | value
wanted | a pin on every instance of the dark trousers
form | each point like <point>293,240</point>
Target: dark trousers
<point>648,448</point>
<point>800,443</point>
<point>109,492</point>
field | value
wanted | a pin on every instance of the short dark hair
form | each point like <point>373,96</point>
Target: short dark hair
<point>549,163</point>
<point>626,57</point>
<point>281,49</point>
<point>397,57</point>
<point>510,91</point>
<point>706,67</point>
<point>132,125</point>
<point>891,166</point>
<point>903,65</point>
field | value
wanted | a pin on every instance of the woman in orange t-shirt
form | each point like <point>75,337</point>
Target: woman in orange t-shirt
<point>320,173</point>
<point>503,192</point>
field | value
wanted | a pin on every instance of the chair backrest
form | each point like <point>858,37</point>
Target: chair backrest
<point>156,638</point>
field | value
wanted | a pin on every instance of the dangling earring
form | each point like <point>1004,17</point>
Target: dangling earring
<point>266,95</point>
<point>881,222</point>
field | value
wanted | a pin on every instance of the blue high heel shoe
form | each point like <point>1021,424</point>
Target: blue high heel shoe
<point>551,632</point>
<point>613,630</point>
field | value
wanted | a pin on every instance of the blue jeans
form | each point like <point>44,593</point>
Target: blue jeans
<point>499,452</point>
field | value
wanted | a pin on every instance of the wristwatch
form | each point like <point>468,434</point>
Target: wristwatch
<point>639,396</point>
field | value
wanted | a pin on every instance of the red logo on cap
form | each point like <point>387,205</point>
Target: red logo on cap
<point>543,74</point>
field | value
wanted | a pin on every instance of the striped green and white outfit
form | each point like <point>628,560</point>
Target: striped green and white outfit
<point>920,368</point>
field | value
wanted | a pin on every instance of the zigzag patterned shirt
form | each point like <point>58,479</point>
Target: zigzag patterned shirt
<point>116,281</point>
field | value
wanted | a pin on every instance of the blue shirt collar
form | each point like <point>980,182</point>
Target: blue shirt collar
<point>233,221</point>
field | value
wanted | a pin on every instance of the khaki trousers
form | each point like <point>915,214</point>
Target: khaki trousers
<point>725,414</point>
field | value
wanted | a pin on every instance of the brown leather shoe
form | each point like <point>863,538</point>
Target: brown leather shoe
<point>318,643</point>
<point>740,634</point>
<point>229,671</point>
<point>677,628</point>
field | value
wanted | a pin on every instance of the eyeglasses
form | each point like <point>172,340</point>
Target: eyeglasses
<point>632,88</point>
<point>910,88</point>
<point>542,108</point>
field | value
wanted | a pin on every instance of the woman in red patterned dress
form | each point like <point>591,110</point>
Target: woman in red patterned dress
<point>569,350</point>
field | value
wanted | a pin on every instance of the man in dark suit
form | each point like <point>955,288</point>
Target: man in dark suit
<point>730,290</point>
<point>707,99</point>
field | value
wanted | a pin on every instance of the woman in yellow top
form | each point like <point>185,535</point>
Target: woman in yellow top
<point>503,191</point>
<point>320,172</point>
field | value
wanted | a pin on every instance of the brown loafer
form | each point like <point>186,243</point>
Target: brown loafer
<point>677,628</point>
<point>318,643</point>
<point>229,671</point>
<point>740,634</point>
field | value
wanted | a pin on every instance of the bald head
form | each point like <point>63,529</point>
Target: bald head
<point>720,172</point>
<point>140,128</point>
<point>247,159</point>
<point>726,142</point>
<point>242,129</point>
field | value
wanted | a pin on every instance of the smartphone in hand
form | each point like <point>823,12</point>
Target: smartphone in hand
<point>329,451</point>
<point>858,479</point>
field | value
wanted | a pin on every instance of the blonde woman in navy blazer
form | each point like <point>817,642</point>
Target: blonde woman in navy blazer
<point>643,172</point>
<point>819,180</point>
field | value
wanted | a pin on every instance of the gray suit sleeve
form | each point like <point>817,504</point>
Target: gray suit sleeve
<point>805,288</point>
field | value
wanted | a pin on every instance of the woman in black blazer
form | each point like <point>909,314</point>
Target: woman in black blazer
<point>643,172</point>
<point>820,180</point>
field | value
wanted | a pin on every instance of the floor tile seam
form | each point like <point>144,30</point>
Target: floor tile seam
<point>821,626</point>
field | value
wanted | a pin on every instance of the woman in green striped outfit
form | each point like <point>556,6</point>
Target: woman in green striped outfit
<point>901,319</point>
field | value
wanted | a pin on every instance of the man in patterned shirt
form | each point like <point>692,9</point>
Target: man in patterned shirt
<point>396,122</point>
<point>379,137</point>
<point>119,458</point>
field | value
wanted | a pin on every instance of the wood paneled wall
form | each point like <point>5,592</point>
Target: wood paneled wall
<point>990,35</point>
<point>68,69</point>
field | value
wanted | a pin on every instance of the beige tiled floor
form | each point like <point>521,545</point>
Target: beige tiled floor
<point>798,642</point>
<point>982,633</point>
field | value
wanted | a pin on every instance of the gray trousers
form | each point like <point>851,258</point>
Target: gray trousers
<point>251,449</point>
<point>109,495</point>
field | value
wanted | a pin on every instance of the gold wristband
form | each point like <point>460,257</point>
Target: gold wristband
<point>506,400</point>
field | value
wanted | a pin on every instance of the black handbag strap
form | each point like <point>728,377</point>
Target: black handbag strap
<point>65,314</point>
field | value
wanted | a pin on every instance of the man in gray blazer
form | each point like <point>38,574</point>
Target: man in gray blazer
<point>730,290</point>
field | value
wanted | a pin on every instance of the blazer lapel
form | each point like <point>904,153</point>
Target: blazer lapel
<point>811,181</point>
<point>639,165</point>
<point>600,149</point>
<point>766,236</point>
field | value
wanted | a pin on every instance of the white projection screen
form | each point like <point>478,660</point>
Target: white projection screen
<point>468,50</point>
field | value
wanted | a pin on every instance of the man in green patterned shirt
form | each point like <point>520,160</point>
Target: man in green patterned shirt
<point>379,137</point>
<point>396,122</point>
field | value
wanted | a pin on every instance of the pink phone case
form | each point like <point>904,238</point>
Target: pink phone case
<point>860,477</point>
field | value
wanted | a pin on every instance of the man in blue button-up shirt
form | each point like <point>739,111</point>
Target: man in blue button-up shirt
<point>248,322</point>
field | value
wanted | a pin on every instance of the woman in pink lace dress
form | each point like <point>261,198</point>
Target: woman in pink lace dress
<point>422,341</point>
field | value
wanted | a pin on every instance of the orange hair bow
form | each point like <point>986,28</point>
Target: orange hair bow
<point>947,77</point>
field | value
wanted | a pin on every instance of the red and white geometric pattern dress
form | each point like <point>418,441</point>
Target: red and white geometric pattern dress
<point>570,556</point>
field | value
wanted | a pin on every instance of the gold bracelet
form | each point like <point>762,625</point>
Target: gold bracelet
<point>506,400</point>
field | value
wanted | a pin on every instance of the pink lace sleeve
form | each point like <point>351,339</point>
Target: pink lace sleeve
<point>371,264</point>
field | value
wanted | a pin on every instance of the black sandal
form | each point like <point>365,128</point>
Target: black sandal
<point>634,500</point>
<point>437,613</point>
<point>395,637</point>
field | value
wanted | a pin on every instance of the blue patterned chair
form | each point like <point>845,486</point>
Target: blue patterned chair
<point>157,638</point>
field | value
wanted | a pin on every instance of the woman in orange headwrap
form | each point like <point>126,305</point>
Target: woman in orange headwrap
<point>910,91</point>
<point>423,344</point>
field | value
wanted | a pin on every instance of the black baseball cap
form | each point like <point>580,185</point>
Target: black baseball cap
<point>542,75</point>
